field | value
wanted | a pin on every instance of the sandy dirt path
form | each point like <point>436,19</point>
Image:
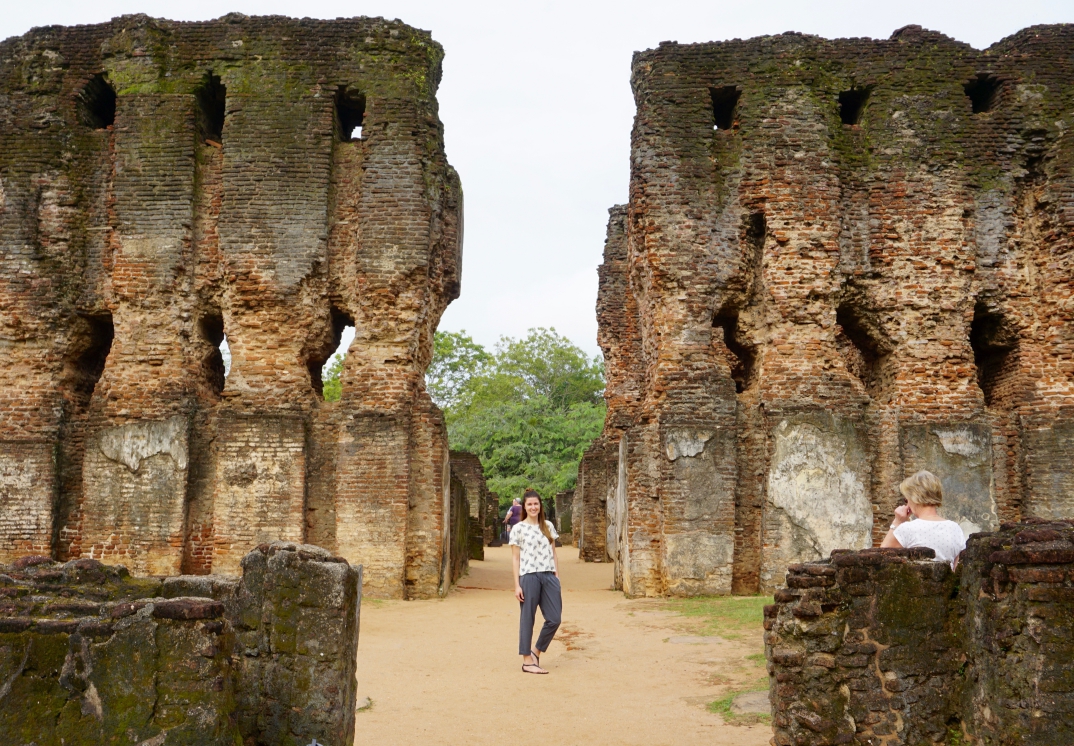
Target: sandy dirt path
<point>622,671</point>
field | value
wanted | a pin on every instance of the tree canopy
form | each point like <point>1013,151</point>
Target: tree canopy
<point>528,409</point>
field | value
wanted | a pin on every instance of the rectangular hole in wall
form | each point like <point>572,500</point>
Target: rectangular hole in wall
<point>215,366</point>
<point>96,103</point>
<point>326,367</point>
<point>350,113</point>
<point>993,342</point>
<point>743,355</point>
<point>982,90</point>
<point>852,104</point>
<point>724,105</point>
<point>90,345</point>
<point>865,353</point>
<point>212,103</point>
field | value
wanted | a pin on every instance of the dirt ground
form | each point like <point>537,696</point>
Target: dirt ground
<point>622,671</point>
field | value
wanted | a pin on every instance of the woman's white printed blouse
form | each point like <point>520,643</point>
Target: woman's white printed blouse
<point>536,550</point>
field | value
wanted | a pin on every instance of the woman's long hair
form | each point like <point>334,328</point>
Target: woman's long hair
<point>541,522</point>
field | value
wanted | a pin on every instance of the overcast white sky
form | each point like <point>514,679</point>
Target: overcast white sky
<point>537,111</point>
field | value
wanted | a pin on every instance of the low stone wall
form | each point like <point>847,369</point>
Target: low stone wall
<point>886,646</point>
<point>90,655</point>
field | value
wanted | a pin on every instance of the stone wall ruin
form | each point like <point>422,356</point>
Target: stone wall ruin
<point>483,505</point>
<point>842,262</point>
<point>888,646</point>
<point>90,655</point>
<point>164,186</point>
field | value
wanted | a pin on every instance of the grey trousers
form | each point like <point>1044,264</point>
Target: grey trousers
<point>539,589</point>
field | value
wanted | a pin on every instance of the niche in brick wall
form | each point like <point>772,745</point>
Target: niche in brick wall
<point>326,366</point>
<point>864,350</point>
<point>852,104</point>
<point>724,106</point>
<point>214,367</point>
<point>982,90</point>
<point>741,356</point>
<point>994,343</point>
<point>84,363</point>
<point>350,113</point>
<point>96,103</point>
<point>212,102</point>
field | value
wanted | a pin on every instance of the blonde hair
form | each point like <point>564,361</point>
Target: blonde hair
<point>923,488</point>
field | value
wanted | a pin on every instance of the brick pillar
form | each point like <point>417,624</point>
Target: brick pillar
<point>136,458</point>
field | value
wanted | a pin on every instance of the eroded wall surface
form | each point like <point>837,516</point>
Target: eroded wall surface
<point>888,646</point>
<point>166,185</point>
<point>841,262</point>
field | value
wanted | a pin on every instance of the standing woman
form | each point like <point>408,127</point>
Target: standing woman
<point>536,566</point>
<point>514,515</point>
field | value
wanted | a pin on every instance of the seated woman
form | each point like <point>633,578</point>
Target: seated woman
<point>924,495</point>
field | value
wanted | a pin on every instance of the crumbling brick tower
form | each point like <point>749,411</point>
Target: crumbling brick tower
<point>842,261</point>
<point>164,185</point>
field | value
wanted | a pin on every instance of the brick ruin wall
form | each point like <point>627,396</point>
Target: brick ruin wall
<point>563,504</point>
<point>884,646</point>
<point>841,262</point>
<point>484,508</point>
<point>90,655</point>
<point>164,185</point>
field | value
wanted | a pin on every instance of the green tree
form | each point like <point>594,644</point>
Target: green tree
<point>332,388</point>
<point>529,410</point>
<point>457,358</point>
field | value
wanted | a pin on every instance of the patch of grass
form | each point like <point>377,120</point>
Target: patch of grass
<point>722,707</point>
<point>726,616</point>
<point>757,658</point>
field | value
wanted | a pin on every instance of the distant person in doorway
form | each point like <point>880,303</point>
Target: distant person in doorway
<point>919,523</point>
<point>536,568</point>
<point>514,515</point>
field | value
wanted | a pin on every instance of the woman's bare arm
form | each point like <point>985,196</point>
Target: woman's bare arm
<point>555,558</point>
<point>890,542</point>
<point>902,515</point>
<point>516,556</point>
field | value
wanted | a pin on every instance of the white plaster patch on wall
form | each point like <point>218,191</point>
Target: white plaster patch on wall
<point>819,493</point>
<point>700,555</point>
<point>132,444</point>
<point>15,475</point>
<point>687,443</point>
<point>959,442</point>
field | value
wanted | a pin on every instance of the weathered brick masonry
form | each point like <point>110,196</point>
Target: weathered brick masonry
<point>483,505</point>
<point>885,646</point>
<point>165,184</point>
<point>91,655</point>
<point>842,261</point>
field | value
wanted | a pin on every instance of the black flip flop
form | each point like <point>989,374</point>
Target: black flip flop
<point>542,671</point>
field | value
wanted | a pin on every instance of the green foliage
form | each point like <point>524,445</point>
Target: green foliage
<point>528,410</point>
<point>332,388</point>
<point>726,616</point>
<point>456,360</point>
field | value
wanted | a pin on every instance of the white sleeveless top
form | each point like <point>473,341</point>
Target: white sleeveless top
<point>943,537</point>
